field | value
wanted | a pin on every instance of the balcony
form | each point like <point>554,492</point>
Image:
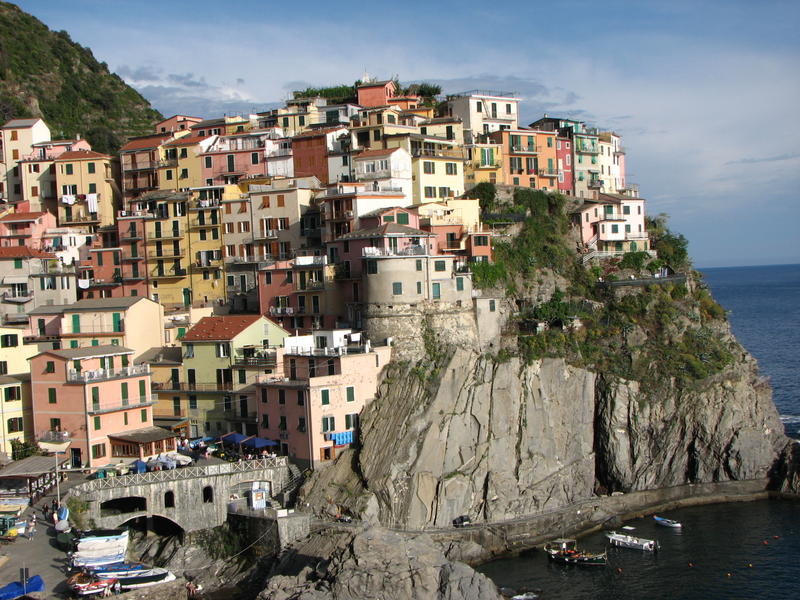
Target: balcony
<point>170,234</point>
<point>548,172</point>
<point>133,277</point>
<point>15,318</point>
<point>91,218</point>
<point>99,408</point>
<point>251,260</point>
<point>171,274</point>
<point>139,166</point>
<point>526,149</point>
<point>260,359</point>
<point>643,235</point>
<point>275,311</point>
<point>101,330</point>
<point>343,272</point>
<point>131,235</point>
<point>310,261</point>
<point>341,215</point>
<point>243,417</point>
<point>595,184</point>
<point>74,376</point>
<point>168,162</point>
<point>410,251</point>
<point>54,437</point>
<point>132,258</point>
<point>266,234</point>
<point>105,281</point>
<point>278,152</point>
<point>310,286</point>
<point>209,263</point>
<point>612,217</point>
<point>171,253</point>
<point>204,204</point>
<point>585,149</point>
<point>434,153</point>
<point>200,223</point>
<point>182,386</point>
<point>17,297</point>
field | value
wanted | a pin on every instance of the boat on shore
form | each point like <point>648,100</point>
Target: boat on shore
<point>620,540</point>
<point>565,551</point>
<point>87,584</point>
<point>666,522</point>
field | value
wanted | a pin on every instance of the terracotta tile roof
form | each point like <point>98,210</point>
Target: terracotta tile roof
<point>24,252</point>
<point>142,143</point>
<point>80,155</point>
<point>219,328</point>
<point>22,216</point>
<point>188,141</point>
<point>387,229</point>
<point>382,152</point>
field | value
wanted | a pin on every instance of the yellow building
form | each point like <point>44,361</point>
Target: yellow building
<point>484,164</point>
<point>183,248</point>
<point>454,211</point>
<point>449,128</point>
<point>180,166</point>
<point>85,187</point>
<point>16,417</point>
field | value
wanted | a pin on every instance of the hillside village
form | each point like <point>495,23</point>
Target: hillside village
<point>218,276</point>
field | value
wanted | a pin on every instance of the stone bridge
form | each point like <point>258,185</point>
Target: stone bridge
<point>192,498</point>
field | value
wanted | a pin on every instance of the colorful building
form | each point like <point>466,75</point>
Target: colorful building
<point>180,167</point>
<point>484,164</point>
<point>16,416</point>
<point>483,112</point>
<point>38,174</point>
<point>530,158</point>
<point>98,398</point>
<point>25,229</point>
<point>140,160</point>
<point>612,224</point>
<point>223,357</point>
<point>313,151</point>
<point>17,138</point>
<point>322,383</point>
<point>86,195</point>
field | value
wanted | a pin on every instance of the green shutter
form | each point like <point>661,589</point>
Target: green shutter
<point>96,423</point>
<point>76,323</point>
<point>117,322</point>
<point>124,393</point>
<point>95,398</point>
<point>351,394</point>
<point>402,218</point>
<point>460,284</point>
<point>73,343</point>
<point>51,395</point>
<point>142,391</point>
<point>325,395</point>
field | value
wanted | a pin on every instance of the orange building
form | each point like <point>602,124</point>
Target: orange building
<point>530,157</point>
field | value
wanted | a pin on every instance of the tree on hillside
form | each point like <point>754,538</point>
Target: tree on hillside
<point>672,248</point>
<point>486,193</point>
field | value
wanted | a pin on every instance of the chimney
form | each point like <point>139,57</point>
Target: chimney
<point>77,136</point>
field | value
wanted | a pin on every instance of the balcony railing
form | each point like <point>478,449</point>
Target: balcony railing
<point>165,234</point>
<point>612,217</point>
<point>169,162</point>
<point>98,408</point>
<point>310,286</point>
<point>102,330</point>
<point>205,203</point>
<point>171,273</point>
<point>197,223</point>
<point>74,376</point>
<point>18,298</point>
<point>193,387</point>
<point>53,437</point>
<point>138,166</point>
<point>526,149</point>
<point>440,153</point>
<point>410,251</point>
<point>586,148</point>
<point>91,218</point>
<point>548,172</point>
<point>310,261</point>
<point>265,359</point>
<point>266,259</point>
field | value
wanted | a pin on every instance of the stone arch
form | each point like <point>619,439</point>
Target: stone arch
<point>123,505</point>
<point>169,499</point>
<point>208,494</point>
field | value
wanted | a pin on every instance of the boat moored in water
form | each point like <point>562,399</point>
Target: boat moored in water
<point>620,540</point>
<point>666,522</point>
<point>565,551</point>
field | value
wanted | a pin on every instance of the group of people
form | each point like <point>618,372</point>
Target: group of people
<point>49,511</point>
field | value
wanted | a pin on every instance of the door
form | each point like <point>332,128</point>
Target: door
<point>40,326</point>
<point>436,291</point>
<point>187,297</point>
<point>191,378</point>
<point>243,406</point>
<point>175,376</point>
<point>75,458</point>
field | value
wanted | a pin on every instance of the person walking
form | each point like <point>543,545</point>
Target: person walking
<point>54,505</point>
<point>31,528</point>
<point>46,511</point>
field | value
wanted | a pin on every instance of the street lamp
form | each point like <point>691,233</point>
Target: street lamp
<point>56,447</point>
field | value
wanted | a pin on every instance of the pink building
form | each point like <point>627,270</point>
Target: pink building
<point>612,225</point>
<point>236,156</point>
<point>97,398</point>
<point>25,229</point>
<point>177,123</point>
<point>325,381</point>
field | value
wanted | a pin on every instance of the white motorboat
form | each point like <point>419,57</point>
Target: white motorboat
<point>620,540</point>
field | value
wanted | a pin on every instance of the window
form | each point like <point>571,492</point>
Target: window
<point>419,287</point>
<point>614,228</point>
<point>301,398</point>
<point>15,424</point>
<point>254,158</point>
<point>626,210</point>
<point>439,265</point>
<point>301,424</point>
<point>459,284</point>
<point>282,423</point>
<point>325,396</point>
<point>328,424</point>
<point>144,415</point>
<point>436,291</point>
<point>451,168</point>
<point>124,393</point>
<point>125,418</point>
<point>68,169</point>
<point>351,394</point>
<point>12,393</point>
<point>184,173</point>
<point>207,161</point>
<point>51,395</point>
<point>419,264</point>
<point>208,493</point>
<point>97,424</point>
<point>169,174</point>
<point>50,366</point>
<point>430,191</point>
<point>55,424</point>
<point>242,376</point>
<point>189,351</point>
<point>428,167</point>
<point>17,263</point>
<point>192,402</point>
<point>265,421</point>
<point>481,240</point>
<point>223,350</point>
<point>549,142</point>
<point>3,367</point>
<point>281,396</point>
<point>98,450</point>
<point>372,267</point>
<point>397,288</point>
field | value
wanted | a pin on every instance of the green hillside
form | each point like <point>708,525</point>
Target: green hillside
<point>45,74</point>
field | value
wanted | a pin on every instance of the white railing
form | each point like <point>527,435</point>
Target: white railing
<point>99,374</point>
<point>310,260</point>
<point>139,402</point>
<point>410,251</point>
<point>194,472</point>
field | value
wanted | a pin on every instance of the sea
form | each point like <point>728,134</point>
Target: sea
<point>737,551</point>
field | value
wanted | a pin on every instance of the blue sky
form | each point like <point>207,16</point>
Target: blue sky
<point>705,94</point>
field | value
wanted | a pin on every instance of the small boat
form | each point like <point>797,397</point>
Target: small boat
<point>33,587</point>
<point>666,522</point>
<point>146,578</point>
<point>120,567</point>
<point>85,584</point>
<point>565,551</point>
<point>621,540</point>
<point>83,561</point>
